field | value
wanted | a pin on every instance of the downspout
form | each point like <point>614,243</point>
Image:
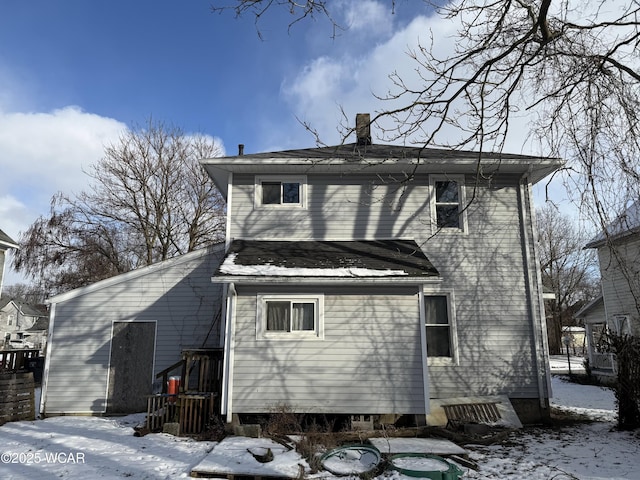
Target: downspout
<point>533,285</point>
<point>47,361</point>
<point>229,341</point>
<point>423,347</point>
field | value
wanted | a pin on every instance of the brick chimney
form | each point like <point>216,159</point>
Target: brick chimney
<point>363,128</point>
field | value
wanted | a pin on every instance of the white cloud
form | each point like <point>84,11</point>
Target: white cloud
<point>43,153</point>
<point>369,17</point>
<point>352,81</point>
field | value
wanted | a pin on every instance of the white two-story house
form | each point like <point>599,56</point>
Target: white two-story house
<point>360,279</point>
<point>374,279</point>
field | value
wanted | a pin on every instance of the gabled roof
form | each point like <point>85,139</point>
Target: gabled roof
<point>597,302</point>
<point>295,261</point>
<point>42,323</point>
<point>376,159</point>
<point>6,242</point>
<point>627,223</point>
<point>147,270</point>
<point>23,307</point>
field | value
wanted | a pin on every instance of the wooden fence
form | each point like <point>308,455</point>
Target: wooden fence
<point>192,411</point>
<point>17,397</point>
<point>17,359</point>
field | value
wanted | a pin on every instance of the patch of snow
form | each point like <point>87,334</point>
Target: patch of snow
<point>229,267</point>
<point>233,456</point>
<point>422,464</point>
<point>77,448</point>
<point>559,364</point>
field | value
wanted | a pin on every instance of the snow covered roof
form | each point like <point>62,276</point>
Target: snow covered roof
<point>372,259</point>
<point>627,223</point>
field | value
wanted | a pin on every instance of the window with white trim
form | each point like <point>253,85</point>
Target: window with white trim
<point>447,202</point>
<point>439,325</point>
<point>294,316</point>
<point>619,324</point>
<point>280,191</point>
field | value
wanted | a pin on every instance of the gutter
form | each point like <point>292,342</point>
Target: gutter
<point>47,361</point>
<point>226,403</point>
<point>533,285</point>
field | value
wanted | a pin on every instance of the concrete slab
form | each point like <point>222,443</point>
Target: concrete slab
<point>233,457</point>
<point>434,446</point>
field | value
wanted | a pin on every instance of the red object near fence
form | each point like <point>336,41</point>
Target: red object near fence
<point>173,388</point>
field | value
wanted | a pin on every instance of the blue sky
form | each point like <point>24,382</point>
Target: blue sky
<point>75,73</point>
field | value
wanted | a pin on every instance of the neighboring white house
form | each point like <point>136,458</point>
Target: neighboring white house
<point>5,244</point>
<point>355,279</point>
<point>617,309</point>
<point>17,322</point>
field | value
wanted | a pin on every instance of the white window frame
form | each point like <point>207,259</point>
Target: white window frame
<point>451,311</point>
<point>619,324</point>
<point>261,317</point>
<point>300,179</point>
<point>462,203</point>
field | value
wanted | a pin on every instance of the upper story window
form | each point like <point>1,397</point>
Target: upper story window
<point>440,329</point>
<point>280,191</point>
<point>447,202</point>
<point>294,316</point>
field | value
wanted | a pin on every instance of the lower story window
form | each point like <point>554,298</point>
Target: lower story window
<point>282,316</point>
<point>290,316</point>
<point>439,328</point>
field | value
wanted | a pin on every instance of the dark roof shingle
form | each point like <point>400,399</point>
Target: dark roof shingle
<point>327,259</point>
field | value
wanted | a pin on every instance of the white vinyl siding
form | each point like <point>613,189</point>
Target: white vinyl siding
<point>369,361</point>
<point>621,285</point>
<point>484,267</point>
<point>337,208</point>
<point>179,297</point>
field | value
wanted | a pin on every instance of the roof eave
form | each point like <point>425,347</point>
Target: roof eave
<point>219,169</point>
<point>388,280</point>
<point>7,245</point>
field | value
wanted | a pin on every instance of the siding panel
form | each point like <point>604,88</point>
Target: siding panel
<point>363,365</point>
<point>483,267</point>
<point>179,297</point>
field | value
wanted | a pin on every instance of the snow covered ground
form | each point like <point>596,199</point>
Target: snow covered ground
<point>80,448</point>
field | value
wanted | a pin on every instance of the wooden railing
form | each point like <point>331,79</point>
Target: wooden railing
<point>603,361</point>
<point>14,360</point>
<point>196,402</point>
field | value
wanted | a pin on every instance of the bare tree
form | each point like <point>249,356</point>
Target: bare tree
<point>148,200</point>
<point>567,269</point>
<point>299,10</point>
<point>25,293</point>
<point>569,65</point>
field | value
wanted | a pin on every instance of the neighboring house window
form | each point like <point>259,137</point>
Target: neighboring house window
<point>294,316</point>
<point>11,317</point>
<point>447,202</point>
<point>619,325</point>
<point>280,191</point>
<point>439,324</point>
